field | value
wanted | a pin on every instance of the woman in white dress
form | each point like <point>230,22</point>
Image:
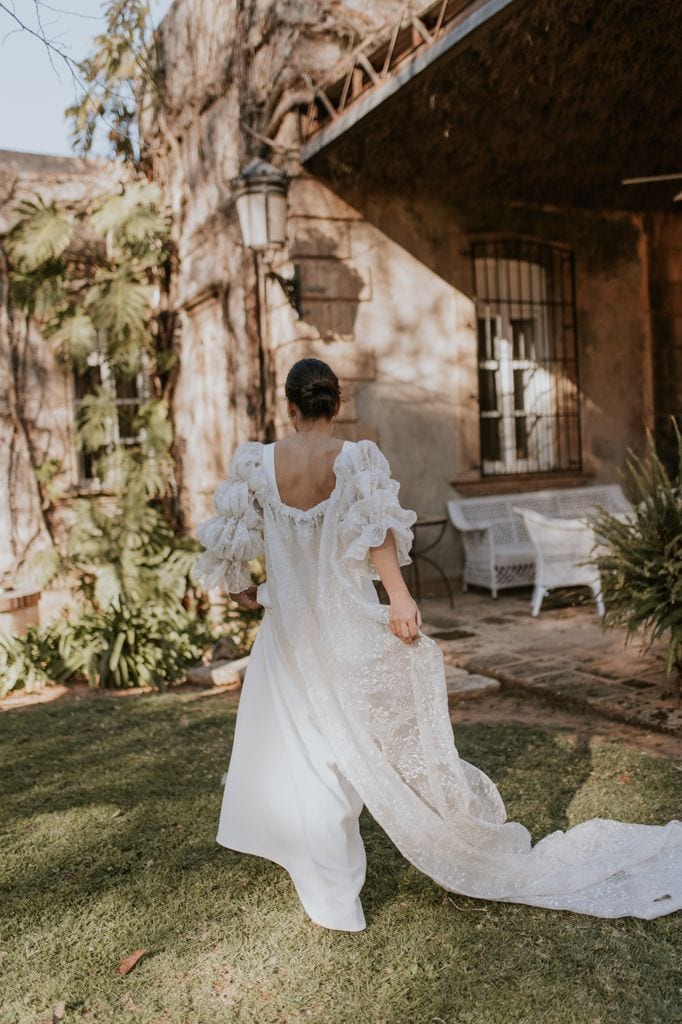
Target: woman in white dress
<point>344,701</point>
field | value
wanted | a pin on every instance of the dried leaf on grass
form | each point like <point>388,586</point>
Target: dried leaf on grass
<point>57,1013</point>
<point>126,966</point>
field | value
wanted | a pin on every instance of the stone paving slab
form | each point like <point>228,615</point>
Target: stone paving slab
<point>219,673</point>
<point>463,685</point>
<point>563,656</point>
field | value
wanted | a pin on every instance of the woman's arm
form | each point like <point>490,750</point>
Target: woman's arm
<point>404,618</point>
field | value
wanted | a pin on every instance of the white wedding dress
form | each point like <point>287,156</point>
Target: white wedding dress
<point>337,712</point>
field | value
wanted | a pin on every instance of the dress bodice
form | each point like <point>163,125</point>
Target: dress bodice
<point>308,515</point>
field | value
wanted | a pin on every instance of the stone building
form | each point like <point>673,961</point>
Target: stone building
<point>38,395</point>
<point>503,311</point>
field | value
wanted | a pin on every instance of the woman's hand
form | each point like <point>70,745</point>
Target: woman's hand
<point>247,598</point>
<point>404,618</point>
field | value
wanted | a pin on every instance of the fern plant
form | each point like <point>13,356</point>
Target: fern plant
<point>640,559</point>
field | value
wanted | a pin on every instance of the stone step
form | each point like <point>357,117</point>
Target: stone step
<point>463,685</point>
<point>219,673</point>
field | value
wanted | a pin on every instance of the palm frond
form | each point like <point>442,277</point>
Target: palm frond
<point>41,233</point>
<point>96,419</point>
<point>153,422</point>
<point>40,293</point>
<point>120,304</point>
<point>73,335</point>
<point>133,217</point>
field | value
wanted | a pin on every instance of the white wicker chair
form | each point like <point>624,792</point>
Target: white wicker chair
<point>498,552</point>
<point>560,546</point>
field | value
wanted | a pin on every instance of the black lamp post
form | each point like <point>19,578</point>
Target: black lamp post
<point>260,192</point>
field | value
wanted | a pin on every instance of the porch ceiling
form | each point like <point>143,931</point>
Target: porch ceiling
<point>544,102</point>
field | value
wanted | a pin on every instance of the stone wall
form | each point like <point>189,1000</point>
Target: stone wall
<point>231,71</point>
<point>36,396</point>
<point>386,279</point>
<point>665,294</point>
<point>615,359</point>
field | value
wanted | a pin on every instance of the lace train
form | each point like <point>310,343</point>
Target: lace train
<point>382,709</point>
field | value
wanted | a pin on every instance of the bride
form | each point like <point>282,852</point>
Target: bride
<point>344,701</point>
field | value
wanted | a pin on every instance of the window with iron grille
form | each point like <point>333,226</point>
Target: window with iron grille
<point>127,394</point>
<point>527,357</point>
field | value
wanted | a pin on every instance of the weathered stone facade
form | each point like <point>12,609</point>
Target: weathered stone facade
<point>665,293</point>
<point>37,415</point>
<point>385,277</point>
<point>384,260</point>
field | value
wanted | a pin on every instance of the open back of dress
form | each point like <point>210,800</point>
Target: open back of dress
<point>337,712</point>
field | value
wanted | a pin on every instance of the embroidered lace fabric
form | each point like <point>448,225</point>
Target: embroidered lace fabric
<point>383,708</point>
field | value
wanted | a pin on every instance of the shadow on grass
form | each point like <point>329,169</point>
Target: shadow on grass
<point>101,788</point>
<point>96,790</point>
<point>109,812</point>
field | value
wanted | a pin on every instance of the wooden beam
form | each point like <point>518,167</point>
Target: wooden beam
<point>368,68</point>
<point>480,13</point>
<point>421,30</point>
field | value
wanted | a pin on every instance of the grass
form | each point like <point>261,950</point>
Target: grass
<point>108,820</point>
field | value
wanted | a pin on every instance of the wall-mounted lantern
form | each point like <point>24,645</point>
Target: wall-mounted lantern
<point>260,192</point>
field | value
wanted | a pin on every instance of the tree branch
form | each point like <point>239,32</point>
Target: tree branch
<point>40,34</point>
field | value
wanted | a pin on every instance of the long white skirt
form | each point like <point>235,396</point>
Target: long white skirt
<point>286,799</point>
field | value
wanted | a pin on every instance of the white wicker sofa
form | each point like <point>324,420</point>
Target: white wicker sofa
<point>498,551</point>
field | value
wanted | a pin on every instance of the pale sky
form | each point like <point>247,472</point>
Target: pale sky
<point>33,96</point>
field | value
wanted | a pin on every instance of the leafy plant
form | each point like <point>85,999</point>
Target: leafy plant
<point>89,275</point>
<point>640,560</point>
<point>119,77</point>
<point>128,555</point>
<point>94,276</point>
<point>19,666</point>
<point>91,279</point>
<point>41,235</point>
<point>123,647</point>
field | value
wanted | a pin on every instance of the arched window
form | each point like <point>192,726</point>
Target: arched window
<point>527,357</point>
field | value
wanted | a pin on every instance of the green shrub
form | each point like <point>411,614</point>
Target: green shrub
<point>140,620</point>
<point>641,561</point>
<point>136,646</point>
<point>120,647</point>
<point>18,664</point>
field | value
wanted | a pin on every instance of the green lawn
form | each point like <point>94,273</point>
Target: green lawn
<point>107,827</point>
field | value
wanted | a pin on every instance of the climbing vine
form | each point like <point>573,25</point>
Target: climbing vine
<point>93,279</point>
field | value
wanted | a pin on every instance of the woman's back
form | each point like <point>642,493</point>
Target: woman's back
<point>303,470</point>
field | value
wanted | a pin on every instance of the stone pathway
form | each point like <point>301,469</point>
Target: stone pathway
<point>564,656</point>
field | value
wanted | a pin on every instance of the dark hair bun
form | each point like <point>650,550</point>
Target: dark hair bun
<point>319,386</point>
<point>313,386</point>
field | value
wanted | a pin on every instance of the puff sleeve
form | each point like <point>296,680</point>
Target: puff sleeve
<point>369,506</point>
<point>235,535</point>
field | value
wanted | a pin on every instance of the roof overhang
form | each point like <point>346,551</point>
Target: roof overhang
<point>511,101</point>
<point>475,16</point>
